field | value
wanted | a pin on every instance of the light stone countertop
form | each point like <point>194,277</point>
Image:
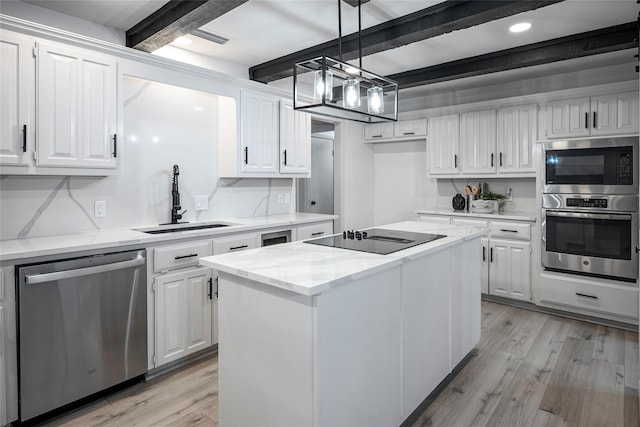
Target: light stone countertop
<point>309,269</point>
<point>26,248</point>
<point>510,215</point>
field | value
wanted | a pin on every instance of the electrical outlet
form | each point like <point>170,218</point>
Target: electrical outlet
<point>280,198</point>
<point>100,208</point>
<point>287,197</point>
<point>201,203</point>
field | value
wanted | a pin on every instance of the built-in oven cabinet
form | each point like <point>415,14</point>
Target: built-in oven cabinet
<point>59,110</point>
<point>603,115</point>
<point>585,295</point>
<point>182,294</point>
<point>312,231</point>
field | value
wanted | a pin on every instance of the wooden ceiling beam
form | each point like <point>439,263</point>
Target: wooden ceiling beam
<point>618,37</point>
<point>433,21</point>
<point>174,19</point>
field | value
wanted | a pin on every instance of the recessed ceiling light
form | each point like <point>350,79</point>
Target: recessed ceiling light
<point>519,27</point>
<point>182,40</point>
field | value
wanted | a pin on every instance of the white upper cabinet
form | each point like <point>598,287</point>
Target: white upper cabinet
<point>402,130</point>
<point>295,140</point>
<point>478,142</point>
<point>259,133</point>
<point>593,116</point>
<point>614,114</point>
<point>443,145</point>
<point>76,108</point>
<point>516,137</point>
<point>17,87</point>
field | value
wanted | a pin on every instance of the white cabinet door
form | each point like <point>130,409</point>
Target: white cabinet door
<point>410,128</point>
<point>510,269</point>
<point>478,141</point>
<point>76,108</point>
<point>444,145</point>
<point>183,313</point>
<point>615,114</point>
<point>377,131</point>
<point>569,118</point>
<point>259,133</point>
<point>17,92</point>
<point>295,140</point>
<point>517,129</point>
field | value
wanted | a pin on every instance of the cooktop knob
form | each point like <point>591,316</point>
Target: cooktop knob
<point>358,235</point>
<point>364,234</point>
<point>344,234</point>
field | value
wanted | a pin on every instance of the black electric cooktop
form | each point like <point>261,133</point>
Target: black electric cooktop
<point>376,240</point>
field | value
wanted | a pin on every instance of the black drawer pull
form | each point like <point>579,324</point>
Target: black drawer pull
<point>586,296</point>
<point>408,133</point>
<point>185,256</point>
<point>238,247</point>
<point>376,136</point>
<point>319,233</point>
<point>24,138</point>
<point>508,231</point>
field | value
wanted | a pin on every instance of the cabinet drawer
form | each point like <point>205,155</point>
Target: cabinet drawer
<point>464,222</point>
<point>313,231</point>
<point>409,128</point>
<point>510,230</point>
<point>180,256</point>
<point>378,131</point>
<point>223,245</point>
<point>588,295</point>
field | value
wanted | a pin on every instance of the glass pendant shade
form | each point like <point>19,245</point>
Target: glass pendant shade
<point>351,93</point>
<point>323,86</point>
<point>375,100</point>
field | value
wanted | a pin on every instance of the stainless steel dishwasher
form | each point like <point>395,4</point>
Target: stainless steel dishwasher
<point>82,328</point>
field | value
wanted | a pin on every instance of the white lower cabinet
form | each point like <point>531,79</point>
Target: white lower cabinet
<point>510,269</point>
<point>3,393</point>
<point>184,303</point>
<point>8,350</point>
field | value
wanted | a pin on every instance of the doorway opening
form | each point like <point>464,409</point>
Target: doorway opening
<point>316,194</point>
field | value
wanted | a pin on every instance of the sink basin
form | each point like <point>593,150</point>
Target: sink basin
<point>182,228</point>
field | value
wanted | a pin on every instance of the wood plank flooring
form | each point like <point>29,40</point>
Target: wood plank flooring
<point>531,369</point>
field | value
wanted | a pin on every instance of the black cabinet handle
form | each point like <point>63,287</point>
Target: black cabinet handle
<point>408,133</point>
<point>586,120</point>
<point>238,247</point>
<point>595,120</point>
<point>115,145</point>
<point>285,157</point>
<point>185,256</point>
<point>484,253</point>
<point>501,159</point>
<point>455,160</point>
<point>491,255</point>
<point>586,296</point>
<point>491,159</point>
<point>24,138</point>
<point>210,293</point>
<point>376,136</point>
<point>216,287</point>
<point>319,233</point>
<point>246,155</point>
<point>506,230</point>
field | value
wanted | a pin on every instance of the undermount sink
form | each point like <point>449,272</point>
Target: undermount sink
<point>179,228</point>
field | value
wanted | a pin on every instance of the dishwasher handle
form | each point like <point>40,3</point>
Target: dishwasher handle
<point>79,272</point>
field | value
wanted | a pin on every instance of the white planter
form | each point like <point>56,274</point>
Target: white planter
<point>485,206</point>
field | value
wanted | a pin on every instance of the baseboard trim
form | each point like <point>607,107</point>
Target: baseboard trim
<point>555,312</point>
<point>156,372</point>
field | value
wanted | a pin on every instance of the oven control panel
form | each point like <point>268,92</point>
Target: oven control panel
<point>625,169</point>
<point>587,203</point>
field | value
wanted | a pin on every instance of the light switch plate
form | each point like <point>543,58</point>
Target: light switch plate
<point>201,203</point>
<point>100,208</point>
<point>287,197</point>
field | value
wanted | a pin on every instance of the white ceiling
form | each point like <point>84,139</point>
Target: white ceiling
<point>261,30</point>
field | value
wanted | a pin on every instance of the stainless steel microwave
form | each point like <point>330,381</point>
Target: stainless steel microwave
<point>591,166</point>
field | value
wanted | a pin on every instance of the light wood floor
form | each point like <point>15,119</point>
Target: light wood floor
<point>531,369</point>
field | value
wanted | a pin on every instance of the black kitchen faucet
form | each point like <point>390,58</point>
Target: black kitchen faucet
<point>175,197</point>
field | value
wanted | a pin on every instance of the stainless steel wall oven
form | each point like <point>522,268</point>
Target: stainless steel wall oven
<point>590,207</point>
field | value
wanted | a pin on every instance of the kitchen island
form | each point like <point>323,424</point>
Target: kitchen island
<point>312,335</point>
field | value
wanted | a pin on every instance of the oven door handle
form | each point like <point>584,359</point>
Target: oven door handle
<point>615,217</point>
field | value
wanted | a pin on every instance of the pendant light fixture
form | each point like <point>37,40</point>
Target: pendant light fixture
<point>331,87</point>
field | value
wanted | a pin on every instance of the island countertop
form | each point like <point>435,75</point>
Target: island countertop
<point>309,269</point>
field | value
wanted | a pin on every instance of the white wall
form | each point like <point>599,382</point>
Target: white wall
<point>161,128</point>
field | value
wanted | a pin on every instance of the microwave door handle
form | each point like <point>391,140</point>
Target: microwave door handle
<point>615,217</point>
